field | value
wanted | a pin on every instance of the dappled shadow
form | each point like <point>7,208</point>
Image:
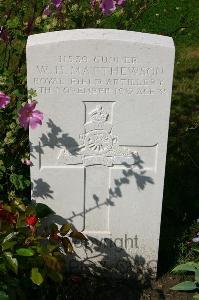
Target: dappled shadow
<point>115,274</point>
<point>102,258</point>
<point>41,189</point>
<point>34,149</point>
<point>135,171</point>
<point>53,139</point>
<point>56,139</point>
<point>114,260</point>
<point>123,276</point>
<point>141,179</point>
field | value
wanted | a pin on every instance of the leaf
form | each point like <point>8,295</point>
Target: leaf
<point>42,210</point>
<point>52,263</point>
<point>52,247</point>
<point>3,296</point>
<point>7,207</point>
<point>18,202</point>
<point>13,23</point>
<point>2,171</point>
<point>36,276</point>
<point>12,262</point>
<point>197,276</point>
<point>3,269</point>
<point>8,245</point>
<point>67,245</point>
<point>41,249</point>
<point>65,229</point>
<point>19,181</point>
<point>184,286</point>
<point>21,220</point>
<point>17,93</point>
<point>54,228</point>
<point>196,297</point>
<point>25,252</point>
<point>9,237</point>
<point>32,93</point>
<point>188,267</point>
<point>78,235</point>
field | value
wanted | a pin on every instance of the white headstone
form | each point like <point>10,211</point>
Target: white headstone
<point>99,157</point>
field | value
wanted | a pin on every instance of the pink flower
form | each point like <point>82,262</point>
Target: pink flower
<point>120,2</point>
<point>4,100</point>
<point>107,6</point>
<point>57,3</point>
<point>46,11</point>
<point>27,162</point>
<point>30,117</point>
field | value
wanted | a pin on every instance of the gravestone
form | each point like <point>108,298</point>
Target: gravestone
<point>99,156</point>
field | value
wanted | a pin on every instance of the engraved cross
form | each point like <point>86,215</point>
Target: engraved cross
<point>98,153</point>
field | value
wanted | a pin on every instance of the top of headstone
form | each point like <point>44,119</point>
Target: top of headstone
<point>100,34</point>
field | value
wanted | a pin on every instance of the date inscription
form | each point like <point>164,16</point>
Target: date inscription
<point>96,75</point>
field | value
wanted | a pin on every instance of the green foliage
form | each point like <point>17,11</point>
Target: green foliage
<point>180,205</point>
<point>25,252</point>
<point>65,229</point>
<point>43,210</point>
<point>11,261</point>
<point>187,285</point>
<point>19,181</point>
<point>187,267</point>
<point>33,253</point>
<point>3,296</point>
<point>36,276</point>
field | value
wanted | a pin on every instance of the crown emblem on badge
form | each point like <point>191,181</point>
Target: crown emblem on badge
<point>98,145</point>
<point>98,115</point>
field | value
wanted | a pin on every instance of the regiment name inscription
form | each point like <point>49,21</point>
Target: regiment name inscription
<point>99,75</point>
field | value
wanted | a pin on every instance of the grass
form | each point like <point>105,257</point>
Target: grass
<point>179,19</point>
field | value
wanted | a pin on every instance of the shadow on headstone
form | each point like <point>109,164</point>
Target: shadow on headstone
<point>125,277</point>
<point>136,171</point>
<point>41,189</point>
<point>55,138</point>
<point>111,262</point>
<point>117,274</point>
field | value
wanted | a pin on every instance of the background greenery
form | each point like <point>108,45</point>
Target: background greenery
<point>178,19</point>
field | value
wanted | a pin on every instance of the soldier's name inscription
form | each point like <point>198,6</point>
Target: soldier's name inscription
<point>95,75</point>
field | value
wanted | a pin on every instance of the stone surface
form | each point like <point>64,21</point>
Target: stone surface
<point>99,157</point>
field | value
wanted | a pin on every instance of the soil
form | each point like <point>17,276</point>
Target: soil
<point>96,289</point>
<point>160,290</point>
